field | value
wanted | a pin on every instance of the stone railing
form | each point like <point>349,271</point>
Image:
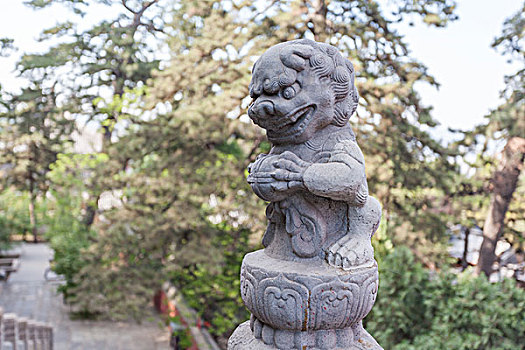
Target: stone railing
<point>19,333</point>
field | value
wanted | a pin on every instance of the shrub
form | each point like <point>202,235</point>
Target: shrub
<point>418,309</point>
<point>14,215</point>
<point>67,234</point>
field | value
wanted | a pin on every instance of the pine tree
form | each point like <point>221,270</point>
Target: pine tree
<point>107,60</point>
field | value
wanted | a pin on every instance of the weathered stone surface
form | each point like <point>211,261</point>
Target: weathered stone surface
<point>316,278</point>
<point>344,339</point>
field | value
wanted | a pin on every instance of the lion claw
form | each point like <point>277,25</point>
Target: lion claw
<point>349,253</point>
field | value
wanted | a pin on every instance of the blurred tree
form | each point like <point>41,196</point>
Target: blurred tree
<point>33,131</point>
<point>507,122</point>
<point>97,65</point>
<point>14,218</point>
<point>70,178</point>
<point>105,59</point>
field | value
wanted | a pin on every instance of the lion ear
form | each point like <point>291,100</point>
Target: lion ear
<point>354,101</point>
<point>255,64</point>
<point>295,56</point>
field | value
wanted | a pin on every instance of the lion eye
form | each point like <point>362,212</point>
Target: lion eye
<point>289,92</point>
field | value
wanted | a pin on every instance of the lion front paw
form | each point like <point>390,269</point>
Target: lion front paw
<point>350,252</point>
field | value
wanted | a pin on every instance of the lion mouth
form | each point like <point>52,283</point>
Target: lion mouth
<point>293,123</point>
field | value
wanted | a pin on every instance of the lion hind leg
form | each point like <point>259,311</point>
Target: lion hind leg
<point>355,248</point>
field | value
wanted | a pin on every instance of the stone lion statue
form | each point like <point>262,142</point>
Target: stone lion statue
<point>314,176</point>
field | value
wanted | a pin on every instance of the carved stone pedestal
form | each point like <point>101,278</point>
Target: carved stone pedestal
<point>304,305</point>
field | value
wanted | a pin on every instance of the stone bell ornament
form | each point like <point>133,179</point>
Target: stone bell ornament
<point>316,279</point>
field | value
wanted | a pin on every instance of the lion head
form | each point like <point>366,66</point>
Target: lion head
<point>300,87</point>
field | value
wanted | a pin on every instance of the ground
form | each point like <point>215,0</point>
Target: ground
<point>28,294</point>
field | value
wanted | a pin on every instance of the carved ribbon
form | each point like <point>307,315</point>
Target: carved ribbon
<point>305,224</point>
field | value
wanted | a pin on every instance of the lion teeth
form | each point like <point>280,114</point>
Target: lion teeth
<point>302,115</point>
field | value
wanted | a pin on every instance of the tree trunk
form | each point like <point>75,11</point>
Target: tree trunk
<point>32,214</point>
<point>504,182</point>
<point>91,212</point>
<point>464,261</point>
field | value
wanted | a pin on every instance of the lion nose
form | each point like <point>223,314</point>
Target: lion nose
<point>261,109</point>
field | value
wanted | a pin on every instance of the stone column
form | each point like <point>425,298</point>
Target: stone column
<point>316,279</point>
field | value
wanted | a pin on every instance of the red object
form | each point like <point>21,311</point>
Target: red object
<point>160,302</point>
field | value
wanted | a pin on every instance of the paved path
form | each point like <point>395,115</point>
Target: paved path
<point>27,294</point>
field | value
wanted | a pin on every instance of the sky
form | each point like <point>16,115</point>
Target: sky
<point>459,56</point>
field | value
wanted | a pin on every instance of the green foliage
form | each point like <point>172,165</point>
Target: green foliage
<point>182,333</point>
<point>13,211</point>
<point>68,243</point>
<point>103,268</point>
<point>109,56</point>
<point>119,276</point>
<point>214,290</point>
<point>417,309</point>
<point>14,216</point>
<point>507,120</point>
<point>33,132</point>
<point>5,234</point>
<point>67,234</point>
